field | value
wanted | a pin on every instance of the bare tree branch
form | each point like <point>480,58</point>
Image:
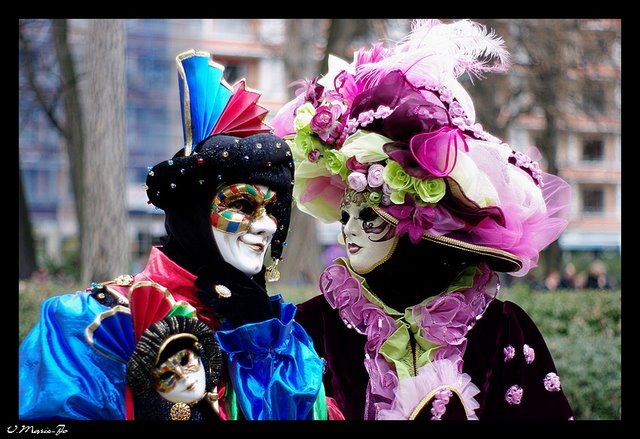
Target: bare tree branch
<point>47,106</point>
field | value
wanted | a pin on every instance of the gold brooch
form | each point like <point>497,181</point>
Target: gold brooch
<point>222,291</point>
<point>124,280</point>
<point>180,412</point>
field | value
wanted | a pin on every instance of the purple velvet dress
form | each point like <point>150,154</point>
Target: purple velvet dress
<point>515,382</point>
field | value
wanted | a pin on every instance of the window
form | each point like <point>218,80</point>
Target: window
<point>538,143</point>
<point>155,71</point>
<point>592,200</point>
<point>233,29</point>
<point>39,185</point>
<point>235,70</point>
<point>593,150</point>
<point>594,98</point>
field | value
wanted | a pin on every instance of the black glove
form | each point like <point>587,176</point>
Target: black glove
<point>233,295</point>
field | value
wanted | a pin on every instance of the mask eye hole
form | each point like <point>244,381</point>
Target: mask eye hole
<point>367,214</point>
<point>243,205</point>
<point>269,207</point>
<point>185,359</point>
<point>344,219</point>
<point>166,376</point>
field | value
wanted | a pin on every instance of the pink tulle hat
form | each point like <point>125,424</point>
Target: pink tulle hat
<point>396,128</point>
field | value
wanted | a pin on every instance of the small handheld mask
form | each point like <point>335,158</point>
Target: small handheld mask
<point>182,363</point>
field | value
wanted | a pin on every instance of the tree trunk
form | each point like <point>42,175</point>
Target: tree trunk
<point>71,127</point>
<point>551,87</point>
<point>26,252</point>
<point>105,248</point>
<point>341,33</point>
<point>303,256</point>
<point>303,263</point>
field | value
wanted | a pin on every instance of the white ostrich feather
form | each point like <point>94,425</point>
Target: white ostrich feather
<point>434,50</point>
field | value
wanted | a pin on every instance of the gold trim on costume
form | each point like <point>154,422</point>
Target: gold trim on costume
<point>186,103</point>
<point>460,245</point>
<point>430,395</point>
<point>212,399</point>
<point>96,324</point>
<point>386,258</point>
<point>147,283</point>
<point>171,338</point>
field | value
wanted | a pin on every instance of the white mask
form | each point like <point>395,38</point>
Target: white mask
<point>244,240</point>
<point>369,240</point>
<point>181,378</point>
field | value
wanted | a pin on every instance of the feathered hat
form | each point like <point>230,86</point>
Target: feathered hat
<point>225,140</point>
<point>395,128</point>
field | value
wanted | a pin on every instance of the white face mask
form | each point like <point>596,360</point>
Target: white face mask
<point>369,240</point>
<point>246,249</point>
<point>181,378</point>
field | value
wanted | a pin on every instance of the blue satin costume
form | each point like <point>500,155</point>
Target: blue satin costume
<point>275,348</point>
<point>272,366</point>
<point>63,377</point>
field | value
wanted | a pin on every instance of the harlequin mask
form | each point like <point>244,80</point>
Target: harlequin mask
<point>236,206</point>
<point>243,225</point>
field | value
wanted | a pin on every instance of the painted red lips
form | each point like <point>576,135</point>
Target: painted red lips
<point>353,248</point>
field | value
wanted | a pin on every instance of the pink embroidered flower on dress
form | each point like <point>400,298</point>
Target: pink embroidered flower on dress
<point>552,382</point>
<point>445,319</point>
<point>529,353</point>
<point>379,325</point>
<point>384,379</point>
<point>509,353</point>
<point>453,354</point>
<point>439,405</point>
<point>514,395</point>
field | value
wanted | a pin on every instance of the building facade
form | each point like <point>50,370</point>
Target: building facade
<point>588,151</point>
<point>588,154</point>
<point>248,48</point>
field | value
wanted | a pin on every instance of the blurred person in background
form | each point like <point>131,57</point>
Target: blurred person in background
<point>597,276</point>
<point>568,278</point>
